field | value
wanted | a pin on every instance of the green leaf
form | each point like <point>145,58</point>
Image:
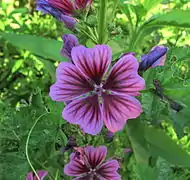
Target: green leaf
<point>47,48</point>
<point>162,145</point>
<point>146,172</point>
<point>135,132</point>
<point>176,18</point>
<point>180,53</point>
<point>180,120</point>
<point>17,65</point>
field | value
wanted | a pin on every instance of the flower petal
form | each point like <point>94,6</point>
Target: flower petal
<point>84,178</point>
<point>66,6</point>
<point>81,4</point>
<point>95,156</point>
<point>109,170</point>
<point>46,7</point>
<point>41,174</point>
<point>75,167</point>
<point>124,78</point>
<point>92,62</point>
<point>156,57</point>
<point>117,109</point>
<point>29,176</point>
<point>69,21</point>
<point>70,83</point>
<point>70,41</point>
<point>86,112</point>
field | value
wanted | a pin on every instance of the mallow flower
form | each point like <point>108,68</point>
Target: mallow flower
<point>88,163</point>
<point>98,96</point>
<point>156,57</point>
<point>41,174</point>
<point>63,10</point>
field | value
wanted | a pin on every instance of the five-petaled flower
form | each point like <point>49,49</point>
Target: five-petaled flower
<point>90,164</point>
<point>63,10</point>
<point>156,57</point>
<point>41,174</point>
<point>95,96</point>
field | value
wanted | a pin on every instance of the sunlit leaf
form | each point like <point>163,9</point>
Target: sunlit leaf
<point>162,145</point>
<point>47,48</point>
<point>176,18</point>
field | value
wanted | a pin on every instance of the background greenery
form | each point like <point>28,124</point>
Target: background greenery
<point>29,53</point>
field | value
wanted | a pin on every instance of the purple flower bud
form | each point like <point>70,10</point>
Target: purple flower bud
<point>70,41</point>
<point>69,21</point>
<point>109,136</point>
<point>70,144</point>
<point>156,57</point>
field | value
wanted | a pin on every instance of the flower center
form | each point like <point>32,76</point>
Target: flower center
<point>92,172</point>
<point>98,89</point>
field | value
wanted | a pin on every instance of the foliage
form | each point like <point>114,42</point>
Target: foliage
<point>30,46</point>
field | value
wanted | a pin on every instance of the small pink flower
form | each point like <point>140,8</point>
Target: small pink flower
<point>92,165</point>
<point>97,96</point>
<point>41,174</point>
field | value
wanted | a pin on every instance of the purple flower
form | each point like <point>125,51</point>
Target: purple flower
<point>156,57</point>
<point>98,97</point>
<point>62,14</point>
<point>90,165</point>
<point>41,174</point>
<point>70,41</point>
<point>63,10</point>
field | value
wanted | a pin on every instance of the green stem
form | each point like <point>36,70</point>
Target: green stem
<point>102,21</point>
<point>127,12</point>
<point>27,142</point>
<point>114,9</point>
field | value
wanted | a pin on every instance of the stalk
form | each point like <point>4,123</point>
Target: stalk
<point>102,21</point>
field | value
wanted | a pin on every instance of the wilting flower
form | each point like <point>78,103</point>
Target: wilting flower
<point>70,41</point>
<point>98,97</point>
<point>89,164</point>
<point>63,10</point>
<point>156,57</point>
<point>41,174</point>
